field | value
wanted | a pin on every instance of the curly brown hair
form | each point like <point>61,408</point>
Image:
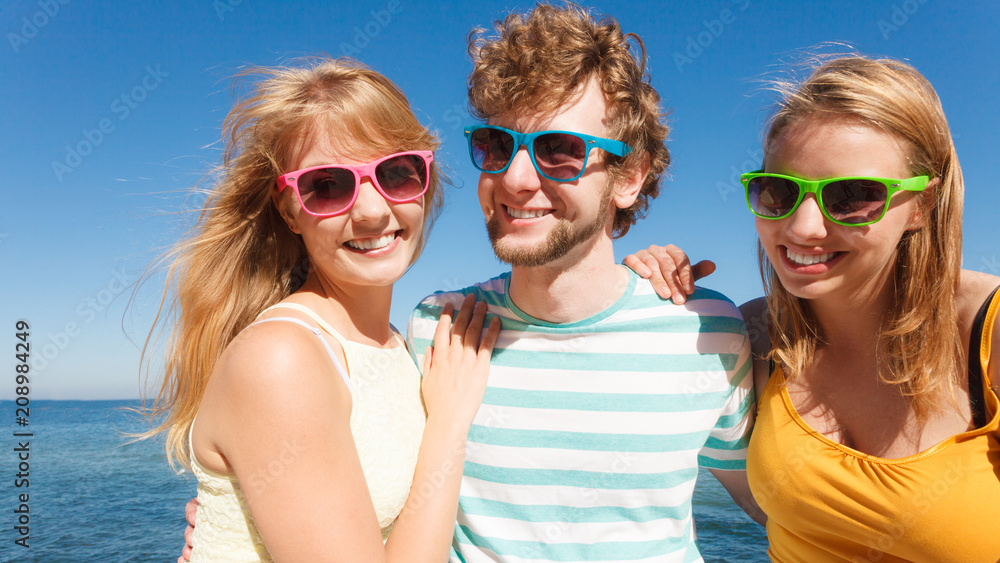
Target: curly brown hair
<point>542,59</point>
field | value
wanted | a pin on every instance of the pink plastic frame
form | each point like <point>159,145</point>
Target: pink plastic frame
<point>359,171</point>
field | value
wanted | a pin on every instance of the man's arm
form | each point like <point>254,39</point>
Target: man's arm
<point>726,457</point>
<point>735,483</point>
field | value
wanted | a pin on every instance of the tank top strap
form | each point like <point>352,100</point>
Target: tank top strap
<point>325,325</point>
<point>979,356</point>
<point>336,362</point>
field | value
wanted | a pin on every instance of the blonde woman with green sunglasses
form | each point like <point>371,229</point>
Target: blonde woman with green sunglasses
<point>877,436</point>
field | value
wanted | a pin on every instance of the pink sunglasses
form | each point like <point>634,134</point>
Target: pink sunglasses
<point>331,189</point>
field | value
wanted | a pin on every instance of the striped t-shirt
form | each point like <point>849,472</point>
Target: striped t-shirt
<point>588,442</point>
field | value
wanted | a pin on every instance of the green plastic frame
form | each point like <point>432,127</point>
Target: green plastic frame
<point>893,186</point>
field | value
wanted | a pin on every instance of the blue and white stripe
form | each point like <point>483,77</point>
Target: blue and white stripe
<point>589,439</point>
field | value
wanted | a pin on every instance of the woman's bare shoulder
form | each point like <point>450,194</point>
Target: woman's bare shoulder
<point>973,289</point>
<point>273,364</point>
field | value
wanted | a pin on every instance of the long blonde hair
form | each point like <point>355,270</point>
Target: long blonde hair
<point>919,348</point>
<point>240,257</point>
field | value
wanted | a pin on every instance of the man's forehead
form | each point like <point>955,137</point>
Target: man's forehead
<point>585,106</point>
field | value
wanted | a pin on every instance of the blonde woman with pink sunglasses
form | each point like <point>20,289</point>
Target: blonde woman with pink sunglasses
<point>286,390</point>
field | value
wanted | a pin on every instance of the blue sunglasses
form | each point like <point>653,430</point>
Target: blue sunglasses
<point>560,156</point>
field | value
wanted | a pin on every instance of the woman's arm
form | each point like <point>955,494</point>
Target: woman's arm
<point>735,483</point>
<point>281,419</point>
<point>455,372</point>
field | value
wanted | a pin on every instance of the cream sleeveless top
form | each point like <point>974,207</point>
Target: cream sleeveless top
<point>387,422</point>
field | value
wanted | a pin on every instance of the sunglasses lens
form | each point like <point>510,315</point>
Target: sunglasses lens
<point>491,148</point>
<point>402,178</point>
<point>772,197</point>
<point>855,201</point>
<point>327,191</point>
<point>560,155</point>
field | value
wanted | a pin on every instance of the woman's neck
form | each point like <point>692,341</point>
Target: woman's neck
<point>855,321</point>
<point>359,313</point>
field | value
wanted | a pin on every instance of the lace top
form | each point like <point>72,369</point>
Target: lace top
<point>387,422</point>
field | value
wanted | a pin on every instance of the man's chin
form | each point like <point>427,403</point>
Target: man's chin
<point>554,247</point>
<point>523,258</point>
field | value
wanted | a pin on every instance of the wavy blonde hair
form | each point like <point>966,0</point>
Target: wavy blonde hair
<point>537,63</point>
<point>919,347</point>
<point>241,257</point>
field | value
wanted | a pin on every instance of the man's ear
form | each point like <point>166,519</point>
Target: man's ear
<point>627,189</point>
<point>925,200</point>
<point>283,203</point>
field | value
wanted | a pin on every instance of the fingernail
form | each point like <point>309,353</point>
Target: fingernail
<point>678,298</point>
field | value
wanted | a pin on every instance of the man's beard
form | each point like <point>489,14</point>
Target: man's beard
<point>560,240</point>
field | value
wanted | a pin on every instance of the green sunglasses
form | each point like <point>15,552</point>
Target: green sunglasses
<point>853,202</point>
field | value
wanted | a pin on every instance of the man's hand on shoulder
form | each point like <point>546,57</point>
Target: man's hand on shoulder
<point>669,270</point>
<point>190,514</point>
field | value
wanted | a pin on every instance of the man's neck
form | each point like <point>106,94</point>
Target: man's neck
<point>579,285</point>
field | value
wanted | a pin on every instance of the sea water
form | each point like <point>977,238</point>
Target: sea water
<point>96,495</point>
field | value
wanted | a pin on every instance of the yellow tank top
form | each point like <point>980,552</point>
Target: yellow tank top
<point>387,422</point>
<point>827,502</point>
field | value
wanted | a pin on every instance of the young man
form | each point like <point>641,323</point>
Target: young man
<point>603,398</point>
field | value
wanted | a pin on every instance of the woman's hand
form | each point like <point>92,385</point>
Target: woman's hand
<point>456,368</point>
<point>669,270</point>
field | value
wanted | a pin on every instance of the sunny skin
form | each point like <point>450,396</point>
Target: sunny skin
<point>834,265</point>
<point>276,385</point>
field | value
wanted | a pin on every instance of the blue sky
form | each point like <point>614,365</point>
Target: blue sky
<point>111,116</point>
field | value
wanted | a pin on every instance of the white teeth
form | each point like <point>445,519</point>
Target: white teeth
<point>372,243</point>
<point>808,259</point>
<point>525,213</point>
